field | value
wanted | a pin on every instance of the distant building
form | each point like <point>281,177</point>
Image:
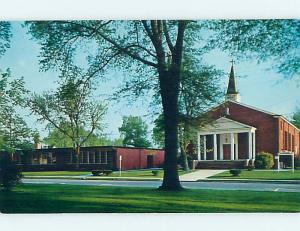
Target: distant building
<point>238,132</point>
<point>99,157</point>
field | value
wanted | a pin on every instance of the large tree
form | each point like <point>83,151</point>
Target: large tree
<point>155,47</point>
<point>199,90</point>
<point>134,132</point>
<point>70,108</point>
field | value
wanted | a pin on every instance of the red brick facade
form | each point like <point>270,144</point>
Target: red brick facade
<point>274,133</point>
<point>140,158</point>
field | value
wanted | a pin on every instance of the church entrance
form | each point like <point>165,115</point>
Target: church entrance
<point>226,151</point>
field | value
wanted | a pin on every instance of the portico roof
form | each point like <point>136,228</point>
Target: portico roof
<point>225,125</point>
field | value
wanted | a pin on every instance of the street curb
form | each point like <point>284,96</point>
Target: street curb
<point>93,178</point>
<point>251,181</point>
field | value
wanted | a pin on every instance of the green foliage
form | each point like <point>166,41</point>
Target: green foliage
<point>235,172</point>
<point>71,109</point>
<point>264,160</point>
<point>5,35</point>
<point>296,119</point>
<point>155,172</point>
<point>134,131</point>
<point>58,139</point>
<point>9,173</point>
<point>275,40</point>
<point>14,132</point>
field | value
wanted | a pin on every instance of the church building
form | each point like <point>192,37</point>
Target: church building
<point>238,132</point>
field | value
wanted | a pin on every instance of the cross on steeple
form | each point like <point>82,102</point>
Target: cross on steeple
<point>232,92</point>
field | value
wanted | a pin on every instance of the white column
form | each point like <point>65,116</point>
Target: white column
<point>215,147</point>
<point>204,147</point>
<point>198,143</point>
<point>237,146</point>
<point>94,157</point>
<point>250,145</point>
<point>221,149</point>
<point>231,146</point>
<point>51,158</point>
<point>88,157</point>
<point>254,147</point>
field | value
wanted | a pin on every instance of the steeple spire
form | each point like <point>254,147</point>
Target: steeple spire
<point>232,92</point>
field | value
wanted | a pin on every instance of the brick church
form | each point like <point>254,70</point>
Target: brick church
<point>238,132</point>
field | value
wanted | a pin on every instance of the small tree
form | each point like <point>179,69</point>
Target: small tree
<point>10,175</point>
<point>296,118</point>
<point>70,108</point>
<point>264,160</point>
<point>134,130</point>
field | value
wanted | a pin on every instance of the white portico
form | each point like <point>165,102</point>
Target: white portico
<point>226,139</point>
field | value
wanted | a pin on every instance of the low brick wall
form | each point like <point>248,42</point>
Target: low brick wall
<point>240,164</point>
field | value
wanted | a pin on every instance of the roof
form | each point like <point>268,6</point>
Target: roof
<point>224,124</point>
<point>260,110</point>
<point>111,147</point>
<point>231,89</point>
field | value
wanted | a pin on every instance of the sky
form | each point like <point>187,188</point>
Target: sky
<point>258,86</point>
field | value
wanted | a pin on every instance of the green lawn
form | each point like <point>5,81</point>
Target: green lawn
<point>88,199</point>
<point>263,175</point>
<point>131,173</point>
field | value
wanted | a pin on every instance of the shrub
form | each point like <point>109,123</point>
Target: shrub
<point>107,172</point>
<point>96,172</point>
<point>264,160</point>
<point>250,168</point>
<point>10,175</point>
<point>297,162</point>
<point>155,172</point>
<point>101,172</point>
<point>235,172</point>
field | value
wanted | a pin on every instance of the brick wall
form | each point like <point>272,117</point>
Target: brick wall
<point>266,124</point>
<point>137,158</point>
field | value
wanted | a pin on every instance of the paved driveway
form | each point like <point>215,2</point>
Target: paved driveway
<point>253,186</point>
<point>199,174</point>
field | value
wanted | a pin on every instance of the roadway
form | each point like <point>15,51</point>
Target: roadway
<point>252,186</point>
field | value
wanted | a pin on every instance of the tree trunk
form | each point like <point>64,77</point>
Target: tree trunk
<point>184,160</point>
<point>77,151</point>
<point>169,86</point>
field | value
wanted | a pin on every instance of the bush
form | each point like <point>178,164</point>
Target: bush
<point>155,172</point>
<point>250,168</point>
<point>297,163</point>
<point>10,175</point>
<point>107,172</point>
<point>235,172</point>
<point>96,172</point>
<point>101,172</point>
<point>264,160</point>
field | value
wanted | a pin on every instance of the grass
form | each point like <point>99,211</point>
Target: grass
<point>130,173</point>
<point>261,175</point>
<point>96,199</point>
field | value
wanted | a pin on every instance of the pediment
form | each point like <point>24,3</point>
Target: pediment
<point>225,124</point>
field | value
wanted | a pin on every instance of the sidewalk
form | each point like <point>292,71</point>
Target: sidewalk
<point>117,178</point>
<point>247,180</point>
<point>199,174</point>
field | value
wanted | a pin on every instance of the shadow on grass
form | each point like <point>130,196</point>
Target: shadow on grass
<point>95,199</point>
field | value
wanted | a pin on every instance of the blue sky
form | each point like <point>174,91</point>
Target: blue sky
<point>258,86</point>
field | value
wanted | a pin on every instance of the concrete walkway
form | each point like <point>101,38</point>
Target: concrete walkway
<point>199,174</point>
